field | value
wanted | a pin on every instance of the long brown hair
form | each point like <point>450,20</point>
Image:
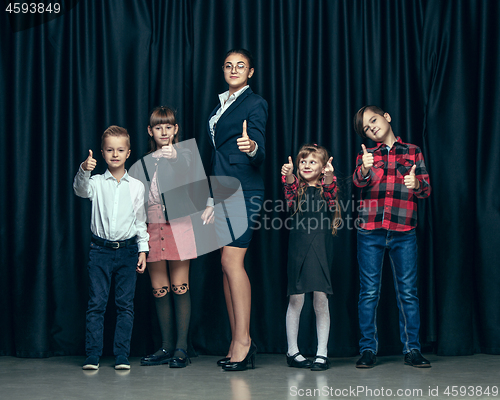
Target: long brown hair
<point>161,115</point>
<point>321,154</point>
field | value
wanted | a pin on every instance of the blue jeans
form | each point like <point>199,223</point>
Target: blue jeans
<point>403,255</point>
<point>104,263</point>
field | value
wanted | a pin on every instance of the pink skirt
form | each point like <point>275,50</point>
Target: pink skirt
<point>169,240</point>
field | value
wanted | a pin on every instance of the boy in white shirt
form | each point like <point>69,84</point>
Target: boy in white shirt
<point>118,247</point>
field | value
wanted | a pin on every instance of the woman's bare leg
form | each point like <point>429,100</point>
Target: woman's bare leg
<point>239,294</point>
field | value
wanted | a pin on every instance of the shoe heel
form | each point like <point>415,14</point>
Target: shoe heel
<point>249,360</point>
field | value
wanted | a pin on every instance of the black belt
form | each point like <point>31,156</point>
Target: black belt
<point>113,244</point>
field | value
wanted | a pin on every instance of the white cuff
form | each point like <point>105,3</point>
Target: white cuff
<point>254,152</point>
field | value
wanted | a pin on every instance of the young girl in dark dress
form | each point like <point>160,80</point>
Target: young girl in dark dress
<point>315,217</point>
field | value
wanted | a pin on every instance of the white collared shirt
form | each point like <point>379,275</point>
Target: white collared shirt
<point>117,207</point>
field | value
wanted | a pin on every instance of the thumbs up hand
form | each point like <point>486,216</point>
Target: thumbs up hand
<point>367,161</point>
<point>168,151</point>
<point>90,163</point>
<point>328,168</point>
<point>411,181</point>
<point>328,172</point>
<point>287,169</point>
<point>245,144</point>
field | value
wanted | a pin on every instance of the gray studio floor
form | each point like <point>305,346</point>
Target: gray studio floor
<point>62,378</point>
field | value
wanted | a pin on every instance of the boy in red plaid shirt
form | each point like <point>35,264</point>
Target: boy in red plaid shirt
<point>392,176</point>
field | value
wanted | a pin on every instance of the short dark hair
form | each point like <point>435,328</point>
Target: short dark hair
<point>358,118</point>
<point>243,52</point>
<point>116,131</point>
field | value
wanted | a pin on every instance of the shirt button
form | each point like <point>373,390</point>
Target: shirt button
<point>161,227</point>
<point>163,249</point>
<point>162,238</point>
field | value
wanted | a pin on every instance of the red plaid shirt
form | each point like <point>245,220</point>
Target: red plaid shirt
<point>385,200</point>
<point>291,191</point>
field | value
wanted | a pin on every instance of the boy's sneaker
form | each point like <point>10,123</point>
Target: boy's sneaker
<point>121,362</point>
<point>92,363</point>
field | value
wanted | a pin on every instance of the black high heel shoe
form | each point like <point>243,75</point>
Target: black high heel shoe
<point>223,361</point>
<point>243,364</point>
<point>178,362</point>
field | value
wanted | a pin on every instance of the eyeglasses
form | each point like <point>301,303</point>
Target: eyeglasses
<point>240,67</point>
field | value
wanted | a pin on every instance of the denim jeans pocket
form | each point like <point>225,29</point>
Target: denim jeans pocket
<point>365,231</point>
<point>95,248</point>
<point>133,250</point>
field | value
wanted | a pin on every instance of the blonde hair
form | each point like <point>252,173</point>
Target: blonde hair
<point>321,154</point>
<point>116,131</point>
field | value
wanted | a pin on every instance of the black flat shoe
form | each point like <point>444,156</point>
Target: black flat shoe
<point>367,360</point>
<point>178,362</point>
<point>223,361</point>
<point>416,359</point>
<point>292,362</point>
<point>152,359</point>
<point>319,366</point>
<point>243,364</point>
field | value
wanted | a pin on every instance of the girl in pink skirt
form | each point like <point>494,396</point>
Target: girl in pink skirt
<point>171,240</point>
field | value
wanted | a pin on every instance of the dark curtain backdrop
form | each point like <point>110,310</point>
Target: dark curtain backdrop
<point>433,65</point>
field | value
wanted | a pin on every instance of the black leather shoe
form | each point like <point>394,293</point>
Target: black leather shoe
<point>367,360</point>
<point>152,359</point>
<point>178,362</point>
<point>416,359</point>
<point>292,362</point>
<point>243,364</point>
<point>223,361</point>
<point>319,366</point>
